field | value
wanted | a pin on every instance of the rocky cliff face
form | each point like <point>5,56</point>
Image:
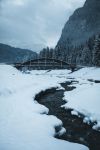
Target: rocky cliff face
<point>84,23</point>
<point>76,34</point>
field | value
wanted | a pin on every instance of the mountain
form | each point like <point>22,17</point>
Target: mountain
<point>81,26</point>
<point>84,23</point>
<point>10,54</point>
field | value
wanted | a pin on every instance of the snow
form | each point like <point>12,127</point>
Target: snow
<point>86,97</point>
<point>23,124</point>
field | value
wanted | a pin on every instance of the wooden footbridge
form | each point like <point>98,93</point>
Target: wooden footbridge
<point>43,64</point>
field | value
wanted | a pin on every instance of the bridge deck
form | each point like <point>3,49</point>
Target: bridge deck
<point>43,64</point>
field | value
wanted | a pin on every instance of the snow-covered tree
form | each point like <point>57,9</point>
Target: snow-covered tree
<point>96,51</point>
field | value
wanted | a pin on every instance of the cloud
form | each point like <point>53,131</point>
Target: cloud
<point>34,23</point>
<point>0,4</point>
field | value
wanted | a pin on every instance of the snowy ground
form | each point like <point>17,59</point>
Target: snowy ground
<point>86,97</point>
<point>23,126</point>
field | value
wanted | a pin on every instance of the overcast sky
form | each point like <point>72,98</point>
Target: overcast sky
<point>34,23</point>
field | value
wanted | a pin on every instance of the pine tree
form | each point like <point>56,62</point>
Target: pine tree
<point>96,51</point>
<point>86,56</point>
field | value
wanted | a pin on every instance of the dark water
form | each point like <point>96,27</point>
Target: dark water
<point>76,130</point>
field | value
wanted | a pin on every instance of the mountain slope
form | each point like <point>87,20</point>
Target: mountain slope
<point>80,39</point>
<point>10,54</point>
<point>84,23</point>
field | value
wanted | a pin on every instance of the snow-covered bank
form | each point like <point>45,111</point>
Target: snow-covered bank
<point>22,127</point>
<point>86,97</point>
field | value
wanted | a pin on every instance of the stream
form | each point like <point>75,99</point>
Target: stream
<point>76,130</point>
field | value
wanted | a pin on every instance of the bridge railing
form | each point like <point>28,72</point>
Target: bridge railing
<point>43,63</point>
